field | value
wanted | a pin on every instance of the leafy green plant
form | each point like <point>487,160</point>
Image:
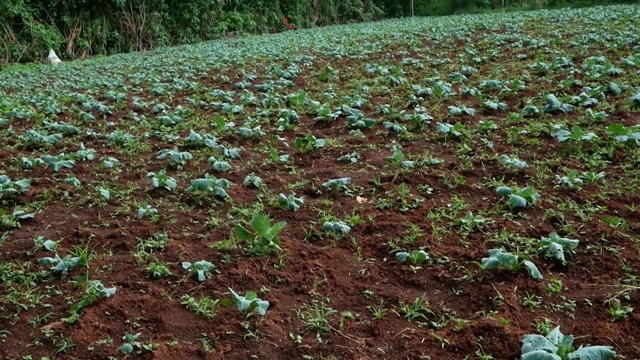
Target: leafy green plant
<point>337,184</point>
<point>201,269</point>
<point>576,134</point>
<point>58,162</point>
<point>132,345</point>
<point>623,133</point>
<point>556,346</point>
<point>205,306</point>
<point>10,188</point>
<point>499,259</point>
<point>518,197</point>
<point>617,310</point>
<point>61,265</point>
<point>337,227</point>
<point>249,301</point>
<point>308,143</point>
<point>414,257</point>
<point>571,180</point>
<point>252,180</point>
<point>210,184</point>
<point>556,246</point>
<point>512,162</point>
<point>176,157</point>
<point>161,179</point>
<point>290,202</point>
<point>263,238</point>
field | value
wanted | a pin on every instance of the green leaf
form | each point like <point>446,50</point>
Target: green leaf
<point>402,256</point>
<point>277,227</point>
<point>540,355</point>
<point>201,276</point>
<point>490,263</point>
<point>263,305</point>
<point>516,201</point>
<point>593,353</point>
<point>504,191</point>
<point>251,295</point>
<point>126,349</point>
<point>50,245</point>
<point>536,342</point>
<point>227,302</point>
<point>244,234</point>
<point>105,193</point>
<point>220,192</point>
<point>533,269</point>
<point>260,223</point>
<point>555,336</point>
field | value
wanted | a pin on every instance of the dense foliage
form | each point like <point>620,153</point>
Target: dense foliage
<point>79,28</point>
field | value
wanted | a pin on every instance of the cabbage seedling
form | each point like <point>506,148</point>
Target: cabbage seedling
<point>518,198</point>
<point>555,246</point>
<point>556,346</point>
<point>249,301</point>
<point>201,268</point>
<point>499,259</point>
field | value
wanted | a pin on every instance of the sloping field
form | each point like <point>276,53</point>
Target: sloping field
<point>427,189</point>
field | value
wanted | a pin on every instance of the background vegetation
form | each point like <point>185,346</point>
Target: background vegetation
<point>80,28</point>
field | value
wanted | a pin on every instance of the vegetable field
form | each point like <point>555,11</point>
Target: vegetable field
<point>462,187</point>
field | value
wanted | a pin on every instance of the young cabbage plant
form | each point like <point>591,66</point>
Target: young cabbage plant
<point>210,185</point>
<point>337,184</point>
<point>471,222</point>
<point>623,134</point>
<point>512,162</point>
<point>201,269</point>
<point>499,259</point>
<point>556,346</point>
<point>252,180</point>
<point>397,159</point>
<point>84,154</point>
<point>61,265</point>
<point>352,158</point>
<point>308,143</point>
<point>109,162</point>
<point>555,105</point>
<point>518,197</point>
<point>336,227</point>
<point>147,210</point>
<point>95,291</point>
<point>447,129</point>
<point>177,159</point>
<point>250,301</point>
<point>58,162</point>
<point>414,257</point>
<point>556,246</point>
<point>219,165</point>
<point>10,188</point>
<point>290,202</point>
<point>634,101</point>
<point>461,110</point>
<point>575,135</point>
<point>161,179</point>
<point>571,180</point>
<point>133,346</point>
<point>10,221</point>
<point>529,111</point>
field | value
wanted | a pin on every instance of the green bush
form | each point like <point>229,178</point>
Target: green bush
<point>81,28</point>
